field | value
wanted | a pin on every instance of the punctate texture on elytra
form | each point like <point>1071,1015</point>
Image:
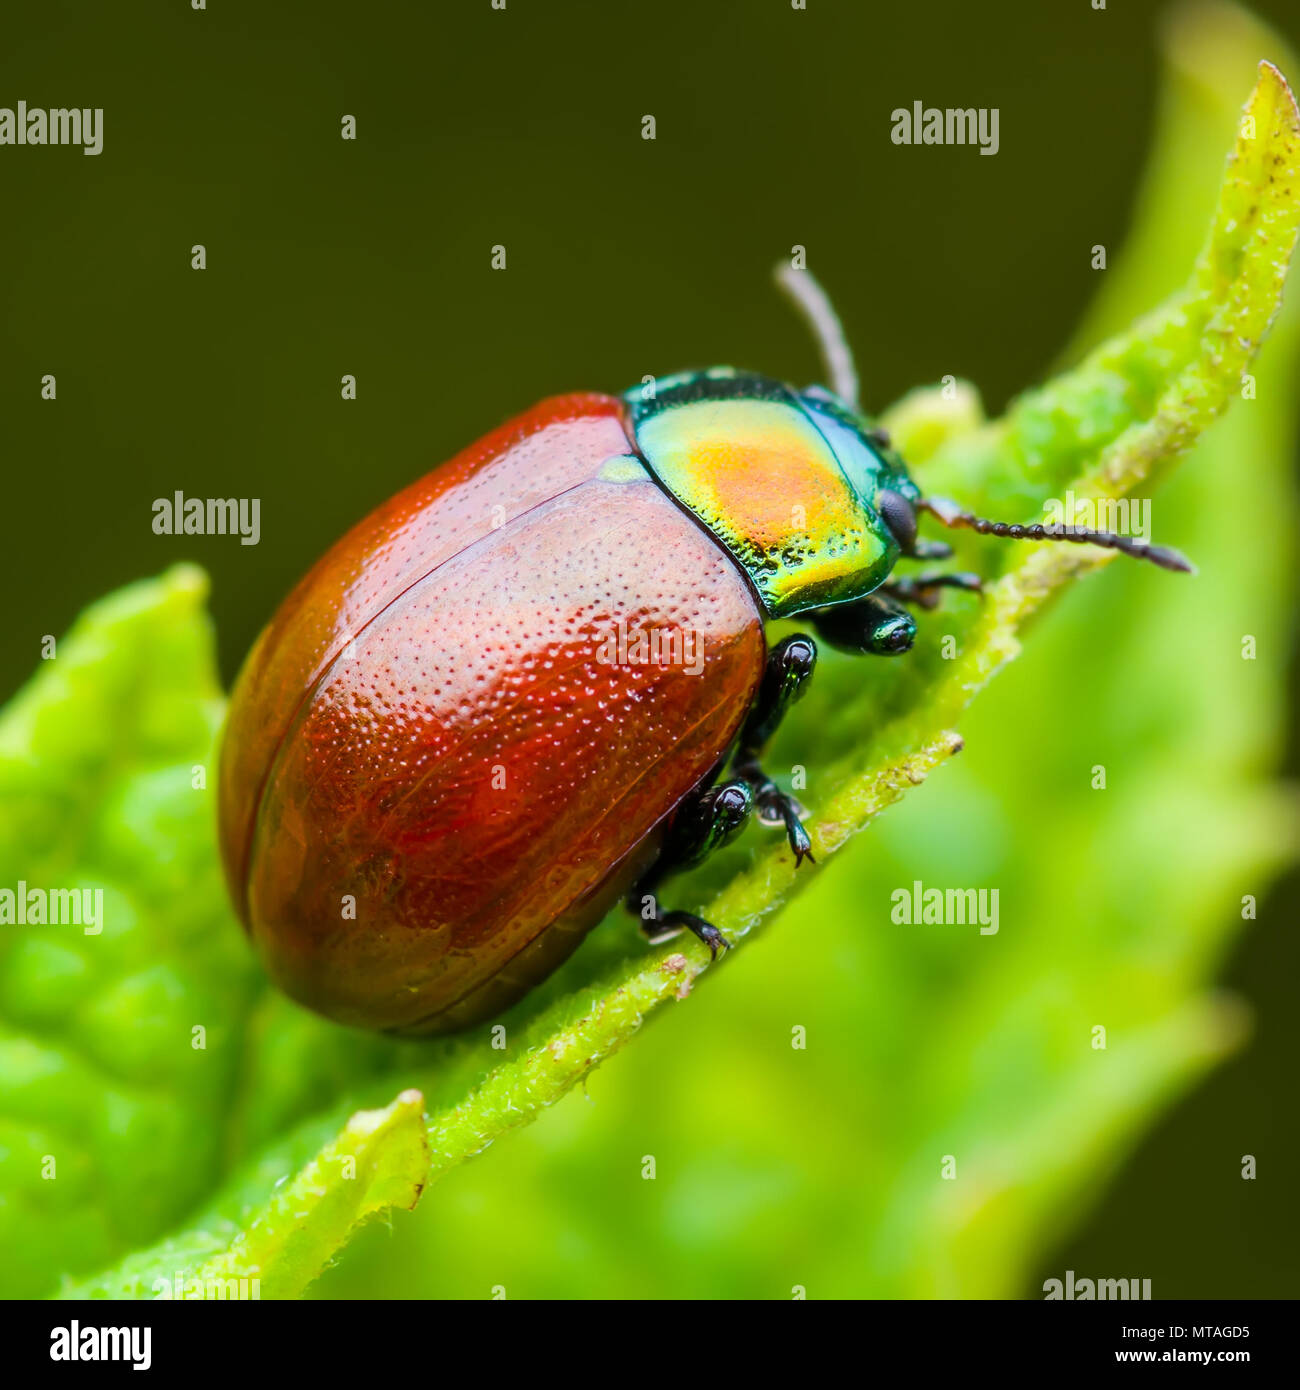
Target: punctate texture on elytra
<point>427,730</point>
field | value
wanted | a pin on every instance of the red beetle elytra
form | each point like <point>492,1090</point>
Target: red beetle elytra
<point>509,697</point>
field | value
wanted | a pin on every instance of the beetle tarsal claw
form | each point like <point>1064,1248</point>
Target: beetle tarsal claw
<point>715,941</point>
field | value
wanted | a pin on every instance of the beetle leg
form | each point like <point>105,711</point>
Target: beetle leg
<point>929,550</point>
<point>705,821</point>
<point>666,925</point>
<point>789,665</point>
<point>871,626</point>
<point>923,589</point>
<point>776,807</point>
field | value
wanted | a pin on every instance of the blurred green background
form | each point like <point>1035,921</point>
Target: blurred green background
<point>478,127</point>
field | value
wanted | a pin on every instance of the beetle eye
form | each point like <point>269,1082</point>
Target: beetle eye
<point>900,516</point>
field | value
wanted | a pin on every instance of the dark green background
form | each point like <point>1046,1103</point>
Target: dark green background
<point>625,257</point>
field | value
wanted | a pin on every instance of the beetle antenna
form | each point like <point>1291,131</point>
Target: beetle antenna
<point>950,514</point>
<point>814,304</point>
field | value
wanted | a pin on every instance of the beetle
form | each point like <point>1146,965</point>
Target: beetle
<point>536,681</point>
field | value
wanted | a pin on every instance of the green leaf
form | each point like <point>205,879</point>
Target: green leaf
<point>380,1160</point>
<point>112,1122</point>
<point>234,1149</point>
